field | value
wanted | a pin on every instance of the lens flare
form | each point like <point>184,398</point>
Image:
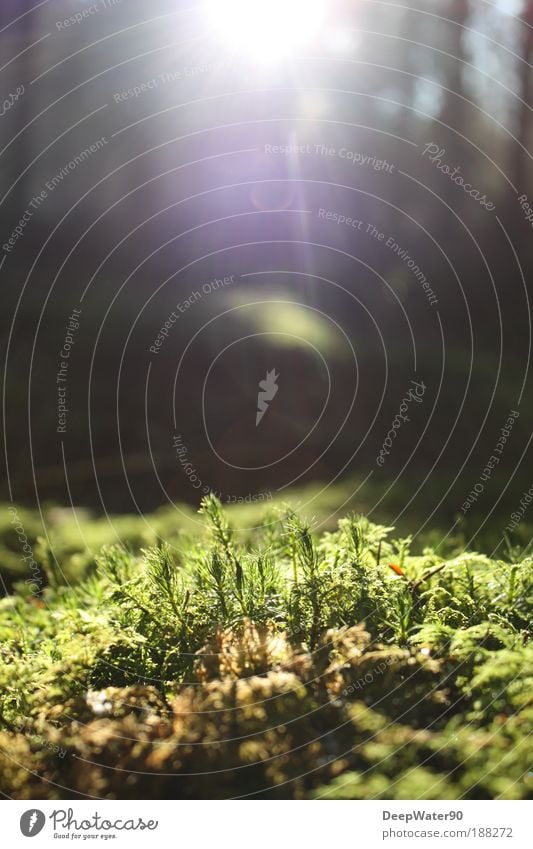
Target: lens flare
<point>266,30</point>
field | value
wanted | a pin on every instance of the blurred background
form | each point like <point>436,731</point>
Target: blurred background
<point>195,196</point>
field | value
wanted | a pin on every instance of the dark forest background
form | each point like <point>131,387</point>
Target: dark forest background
<point>187,193</point>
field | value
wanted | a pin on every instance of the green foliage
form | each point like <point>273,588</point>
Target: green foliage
<point>309,666</point>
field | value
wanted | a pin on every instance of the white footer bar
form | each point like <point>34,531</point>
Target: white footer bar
<point>267,824</point>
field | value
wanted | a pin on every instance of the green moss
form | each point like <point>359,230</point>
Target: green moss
<point>275,663</point>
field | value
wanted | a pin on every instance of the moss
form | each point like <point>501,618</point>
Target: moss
<point>289,665</point>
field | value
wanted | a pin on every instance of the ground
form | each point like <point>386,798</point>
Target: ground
<point>266,661</point>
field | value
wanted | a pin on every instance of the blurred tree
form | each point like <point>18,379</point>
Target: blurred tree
<point>455,109</point>
<point>520,157</point>
<point>453,112</point>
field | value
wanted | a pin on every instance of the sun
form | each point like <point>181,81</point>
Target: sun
<point>266,30</point>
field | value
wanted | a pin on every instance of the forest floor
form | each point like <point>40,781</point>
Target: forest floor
<point>267,661</point>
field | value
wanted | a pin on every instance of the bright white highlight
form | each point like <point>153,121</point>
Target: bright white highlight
<point>266,30</point>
